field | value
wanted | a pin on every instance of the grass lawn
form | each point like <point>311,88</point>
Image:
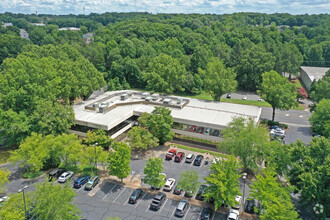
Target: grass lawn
<point>31,175</point>
<point>216,154</point>
<point>195,139</point>
<point>4,155</point>
<point>297,83</point>
<point>82,170</point>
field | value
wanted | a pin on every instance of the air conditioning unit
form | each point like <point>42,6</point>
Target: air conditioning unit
<point>145,95</point>
<point>179,101</point>
<point>155,97</point>
<point>124,96</point>
<point>148,99</point>
<point>167,101</point>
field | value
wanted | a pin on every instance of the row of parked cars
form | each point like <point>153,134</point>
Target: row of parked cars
<point>63,176</point>
<point>205,131</point>
<point>179,156</point>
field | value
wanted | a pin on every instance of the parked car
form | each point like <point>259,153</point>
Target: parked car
<point>169,184</point>
<point>182,208</point>
<point>81,181</point>
<point>200,192</point>
<point>179,156</point>
<point>207,131</point>
<point>158,201</point>
<point>158,187</point>
<point>177,191</point>
<point>3,200</point>
<point>260,99</point>
<point>274,127</point>
<point>136,194</point>
<point>170,154</point>
<point>233,214</point>
<point>216,160</point>
<point>249,207</point>
<point>192,128</point>
<point>244,97</point>
<point>55,173</point>
<point>206,213</point>
<point>216,133</point>
<point>200,130</point>
<point>228,96</point>
<point>198,160</point>
<point>92,182</point>
<point>238,199</point>
<point>190,158</point>
<point>65,176</point>
<point>188,194</point>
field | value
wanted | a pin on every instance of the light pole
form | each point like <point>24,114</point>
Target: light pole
<point>244,178</point>
<point>22,190</point>
<point>94,145</point>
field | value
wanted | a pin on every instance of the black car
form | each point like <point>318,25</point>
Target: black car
<point>158,201</point>
<point>135,196</point>
<point>188,194</point>
<point>56,173</point>
<point>198,160</point>
<point>249,207</point>
<point>177,191</point>
<point>228,96</point>
<point>81,181</point>
<point>216,133</point>
<point>201,190</point>
<point>206,213</point>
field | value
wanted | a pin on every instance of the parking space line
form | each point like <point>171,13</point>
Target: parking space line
<point>109,191</point>
<point>172,213</point>
<point>191,164</point>
<point>81,188</point>
<point>186,213</point>
<point>148,208</point>
<point>162,206</point>
<point>200,214</point>
<point>213,215</point>
<point>181,162</point>
<point>119,195</point>
<point>201,165</point>
<point>140,200</point>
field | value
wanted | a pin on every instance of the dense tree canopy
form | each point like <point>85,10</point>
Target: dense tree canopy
<point>320,118</point>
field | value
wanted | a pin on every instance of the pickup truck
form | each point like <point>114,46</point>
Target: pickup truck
<point>158,201</point>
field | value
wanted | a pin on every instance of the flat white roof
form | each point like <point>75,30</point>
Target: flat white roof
<point>316,73</point>
<point>197,112</point>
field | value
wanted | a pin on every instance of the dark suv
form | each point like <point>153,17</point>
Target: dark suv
<point>249,207</point>
<point>158,201</point>
<point>55,173</point>
<point>198,160</point>
<point>179,156</point>
<point>81,181</point>
<point>201,190</point>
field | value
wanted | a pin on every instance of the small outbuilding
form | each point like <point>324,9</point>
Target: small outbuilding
<point>310,73</point>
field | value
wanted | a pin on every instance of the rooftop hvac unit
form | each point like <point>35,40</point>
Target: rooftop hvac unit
<point>179,101</point>
<point>145,95</point>
<point>167,101</point>
<point>148,99</point>
<point>124,96</point>
<point>103,106</point>
<point>155,97</point>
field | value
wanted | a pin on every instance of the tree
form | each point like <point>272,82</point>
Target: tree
<point>278,91</point>
<point>275,199</point>
<point>119,160</point>
<point>160,124</point>
<point>4,177</point>
<point>53,201</point>
<point>246,139</point>
<point>223,182</point>
<point>290,60</point>
<point>309,172</point>
<point>91,155</point>
<point>143,119</point>
<point>152,170</point>
<point>320,89</point>
<point>218,79</point>
<point>98,136</point>
<point>141,139</point>
<point>13,208</point>
<point>165,74</point>
<point>320,118</point>
<point>188,181</point>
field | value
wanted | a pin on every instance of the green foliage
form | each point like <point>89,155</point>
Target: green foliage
<point>223,182</point>
<point>4,177</point>
<point>321,89</point>
<point>218,79</point>
<point>290,60</point>
<point>141,139</point>
<point>143,119</point>
<point>119,160</point>
<point>160,124</point>
<point>91,155</point>
<point>98,136</point>
<point>278,91</point>
<point>275,199</point>
<point>10,46</point>
<point>320,118</point>
<point>246,139</point>
<point>53,201</point>
<point>309,172</point>
<point>14,207</point>
<point>188,181</point>
<point>152,170</point>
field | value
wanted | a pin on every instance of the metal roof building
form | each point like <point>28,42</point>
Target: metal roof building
<point>309,73</point>
<point>118,111</point>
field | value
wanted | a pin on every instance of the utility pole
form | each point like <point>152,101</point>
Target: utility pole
<point>22,190</point>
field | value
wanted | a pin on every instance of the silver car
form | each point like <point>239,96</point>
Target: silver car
<point>181,208</point>
<point>65,176</point>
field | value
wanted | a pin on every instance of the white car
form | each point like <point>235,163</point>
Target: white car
<point>238,199</point>
<point>244,97</point>
<point>65,176</point>
<point>216,160</point>
<point>158,188</point>
<point>169,184</point>
<point>233,215</point>
<point>207,131</point>
<point>278,132</point>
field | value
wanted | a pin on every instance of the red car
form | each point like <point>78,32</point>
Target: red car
<point>170,154</point>
<point>179,156</point>
<point>200,130</point>
<point>192,128</point>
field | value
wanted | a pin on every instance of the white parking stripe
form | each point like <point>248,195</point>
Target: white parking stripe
<point>200,214</point>
<point>119,195</point>
<point>80,188</point>
<point>213,215</point>
<point>109,192</point>
<point>201,164</point>
<point>148,208</point>
<point>191,164</point>
<point>181,162</point>
<point>140,200</point>
<point>186,213</point>
<point>162,206</point>
<point>172,213</point>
